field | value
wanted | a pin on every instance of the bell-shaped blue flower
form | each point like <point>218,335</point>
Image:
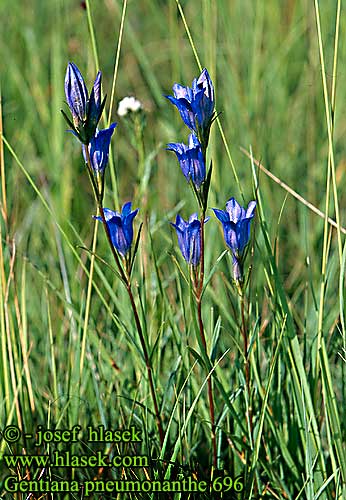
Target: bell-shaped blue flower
<point>236,224</point>
<point>86,112</point>
<point>236,228</point>
<point>120,227</point>
<point>189,238</point>
<point>196,104</point>
<point>99,148</point>
<point>191,159</point>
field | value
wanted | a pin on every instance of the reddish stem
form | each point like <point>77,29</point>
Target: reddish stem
<point>199,291</point>
<point>247,367</point>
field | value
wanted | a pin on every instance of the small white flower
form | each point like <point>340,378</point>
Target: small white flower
<point>128,104</point>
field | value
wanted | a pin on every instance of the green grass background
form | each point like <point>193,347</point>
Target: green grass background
<point>67,357</point>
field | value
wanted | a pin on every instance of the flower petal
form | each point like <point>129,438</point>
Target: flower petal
<point>194,238</point>
<point>222,215</point>
<point>205,82</point>
<point>128,226</point>
<point>234,210</point>
<point>126,209</point>
<point>109,214</point>
<point>243,234</point>
<point>250,212</point>
<point>185,110</point>
<point>96,90</point>
<point>181,92</point>
<point>118,236</point>
<point>230,236</point>
<point>192,218</point>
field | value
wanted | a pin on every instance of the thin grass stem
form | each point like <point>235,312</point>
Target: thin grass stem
<point>92,34</point>
<point>2,168</point>
<point>116,64</point>
<point>244,332</point>
<point>88,301</point>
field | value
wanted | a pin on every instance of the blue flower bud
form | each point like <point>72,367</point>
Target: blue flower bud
<point>99,148</point>
<point>191,159</point>
<point>94,105</point>
<point>76,94</point>
<point>120,227</point>
<point>86,112</point>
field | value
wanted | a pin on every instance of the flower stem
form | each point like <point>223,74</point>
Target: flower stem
<point>246,356</point>
<point>125,277</point>
<point>199,291</point>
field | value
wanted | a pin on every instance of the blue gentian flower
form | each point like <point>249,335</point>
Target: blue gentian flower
<point>236,224</point>
<point>86,112</point>
<point>189,238</point>
<point>236,228</point>
<point>191,159</point>
<point>99,148</point>
<point>120,227</point>
<point>196,104</point>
